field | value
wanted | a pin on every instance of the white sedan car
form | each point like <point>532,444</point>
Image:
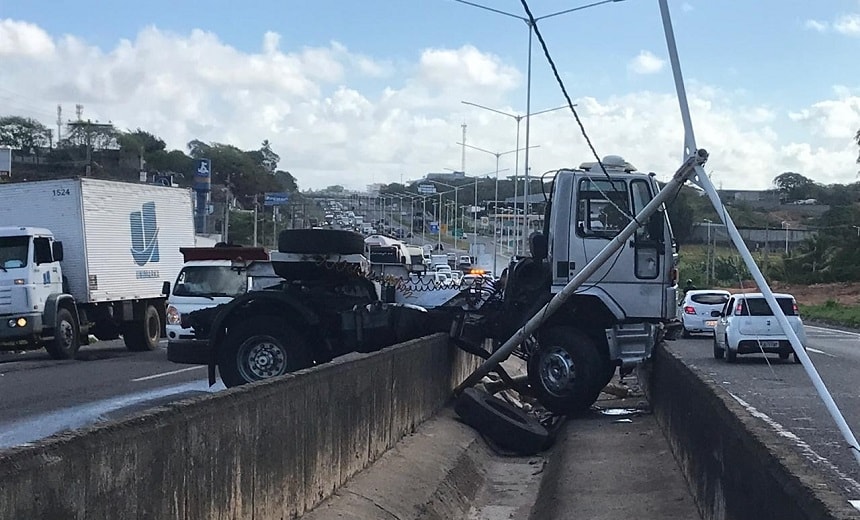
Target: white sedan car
<point>747,326</point>
<point>696,308</point>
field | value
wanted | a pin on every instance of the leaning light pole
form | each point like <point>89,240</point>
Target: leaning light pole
<point>703,181</point>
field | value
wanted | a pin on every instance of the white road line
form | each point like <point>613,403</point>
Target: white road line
<point>807,450</point>
<point>824,329</point>
<point>165,374</point>
<point>820,352</point>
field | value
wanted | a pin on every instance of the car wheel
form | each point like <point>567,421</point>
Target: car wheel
<point>259,349</point>
<point>719,352</point>
<point>784,355</point>
<point>731,355</point>
<point>508,426</point>
<point>685,333</point>
<point>566,371</point>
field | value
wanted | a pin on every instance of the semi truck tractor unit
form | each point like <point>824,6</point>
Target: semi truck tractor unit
<point>87,256</point>
<point>615,318</point>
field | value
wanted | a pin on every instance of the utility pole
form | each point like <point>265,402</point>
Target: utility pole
<point>255,220</point>
<point>463,156</point>
<point>59,123</point>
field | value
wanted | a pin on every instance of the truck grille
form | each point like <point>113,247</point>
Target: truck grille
<point>5,297</point>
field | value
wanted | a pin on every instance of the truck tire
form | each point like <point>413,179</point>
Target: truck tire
<point>261,348</point>
<point>508,426</point>
<point>66,340</point>
<point>566,371</point>
<point>140,336</point>
<point>320,241</point>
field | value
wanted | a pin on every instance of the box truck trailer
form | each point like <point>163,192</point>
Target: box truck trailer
<point>88,256</point>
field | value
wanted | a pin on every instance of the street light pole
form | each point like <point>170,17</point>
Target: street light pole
<point>530,24</point>
<point>497,155</point>
<point>708,254</point>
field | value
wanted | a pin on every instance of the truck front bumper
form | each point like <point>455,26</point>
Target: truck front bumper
<point>12,329</point>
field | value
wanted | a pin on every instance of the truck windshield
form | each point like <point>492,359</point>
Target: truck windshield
<point>211,280</point>
<point>602,207</point>
<point>13,252</point>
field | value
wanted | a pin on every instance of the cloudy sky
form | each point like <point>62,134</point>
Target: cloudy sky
<point>357,92</point>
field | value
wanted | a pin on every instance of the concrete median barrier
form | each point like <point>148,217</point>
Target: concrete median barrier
<point>270,450</point>
<point>737,466</point>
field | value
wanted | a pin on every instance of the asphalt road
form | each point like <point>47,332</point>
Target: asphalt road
<point>42,396</point>
<point>782,391</point>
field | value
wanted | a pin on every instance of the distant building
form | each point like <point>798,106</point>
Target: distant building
<point>755,198</point>
<point>447,176</point>
<point>374,189</point>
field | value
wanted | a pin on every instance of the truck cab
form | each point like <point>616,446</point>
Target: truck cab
<point>31,286</point>
<point>211,276</point>
<point>616,317</point>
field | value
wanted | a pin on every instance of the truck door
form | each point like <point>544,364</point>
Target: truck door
<point>47,277</point>
<point>633,277</point>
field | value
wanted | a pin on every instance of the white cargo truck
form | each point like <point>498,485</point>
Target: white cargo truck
<point>88,256</point>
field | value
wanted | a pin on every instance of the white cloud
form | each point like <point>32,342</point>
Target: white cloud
<point>846,24</point>
<point>329,127</point>
<point>817,25</point>
<point>646,63</point>
<point>686,7</point>
<point>24,39</point>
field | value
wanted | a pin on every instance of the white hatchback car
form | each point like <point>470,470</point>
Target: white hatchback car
<point>696,308</point>
<point>747,326</point>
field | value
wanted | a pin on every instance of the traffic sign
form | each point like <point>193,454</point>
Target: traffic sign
<point>434,227</point>
<point>276,199</point>
<point>426,189</point>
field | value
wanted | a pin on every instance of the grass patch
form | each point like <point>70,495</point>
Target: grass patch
<point>833,312</point>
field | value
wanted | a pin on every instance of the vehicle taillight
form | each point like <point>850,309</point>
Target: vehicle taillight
<point>689,309</point>
<point>796,310</point>
<point>739,308</point>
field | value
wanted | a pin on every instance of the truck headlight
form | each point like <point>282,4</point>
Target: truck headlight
<point>17,322</point>
<point>174,317</point>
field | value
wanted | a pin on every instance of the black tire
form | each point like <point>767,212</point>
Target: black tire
<point>731,355</point>
<point>261,348</point>
<point>685,333</point>
<point>784,355</point>
<point>719,352</point>
<point>566,371</point>
<point>67,339</point>
<point>318,241</point>
<point>142,336</point>
<point>508,426</point>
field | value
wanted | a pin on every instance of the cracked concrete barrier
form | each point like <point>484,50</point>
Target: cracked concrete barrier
<point>270,450</point>
<point>737,467</point>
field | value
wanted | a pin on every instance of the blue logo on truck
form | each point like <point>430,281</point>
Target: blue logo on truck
<point>144,235</point>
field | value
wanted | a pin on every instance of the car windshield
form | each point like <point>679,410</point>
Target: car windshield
<point>709,298</point>
<point>759,307</point>
<point>13,252</point>
<point>211,280</point>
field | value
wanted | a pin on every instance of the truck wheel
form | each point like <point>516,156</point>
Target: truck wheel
<point>259,349</point>
<point>318,241</point>
<point>140,336</point>
<point>66,340</point>
<point>566,370</point>
<point>508,426</point>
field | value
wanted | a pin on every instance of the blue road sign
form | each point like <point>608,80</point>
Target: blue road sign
<point>276,199</point>
<point>434,227</point>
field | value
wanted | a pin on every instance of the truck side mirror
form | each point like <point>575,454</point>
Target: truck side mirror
<point>57,249</point>
<point>165,289</point>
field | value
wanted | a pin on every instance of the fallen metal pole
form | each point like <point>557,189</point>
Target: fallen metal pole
<point>702,180</point>
<point>668,192</point>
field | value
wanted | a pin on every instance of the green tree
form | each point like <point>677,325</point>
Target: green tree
<point>794,186</point>
<point>24,134</point>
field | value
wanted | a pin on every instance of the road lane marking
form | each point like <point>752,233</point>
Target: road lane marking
<point>805,448</point>
<point>165,374</point>
<point>819,352</point>
<point>835,331</point>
